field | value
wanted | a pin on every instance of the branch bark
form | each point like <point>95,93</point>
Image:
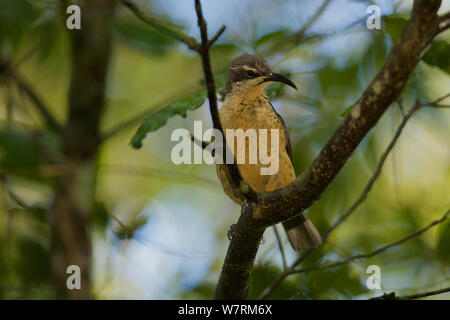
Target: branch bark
<point>282,204</point>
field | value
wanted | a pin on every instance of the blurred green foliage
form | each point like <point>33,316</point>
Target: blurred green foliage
<point>157,119</point>
<point>438,55</point>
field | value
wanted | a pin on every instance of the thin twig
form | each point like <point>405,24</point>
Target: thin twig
<point>373,253</point>
<point>13,195</point>
<point>38,103</point>
<point>444,22</point>
<point>299,35</point>
<point>191,42</point>
<point>436,104</point>
<point>392,295</point>
<point>377,172</point>
<point>14,65</point>
<point>216,36</point>
<point>354,206</point>
<point>313,19</point>
<point>424,294</point>
<point>280,246</point>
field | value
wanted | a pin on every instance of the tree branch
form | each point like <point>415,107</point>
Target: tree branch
<point>70,213</point>
<point>202,49</point>
<point>292,270</point>
<point>160,26</point>
<point>231,170</point>
<point>280,246</point>
<point>353,207</point>
<point>282,204</point>
<point>392,296</point>
<point>313,19</point>
<point>444,22</point>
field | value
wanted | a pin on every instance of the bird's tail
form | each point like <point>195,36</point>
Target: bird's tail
<point>302,233</point>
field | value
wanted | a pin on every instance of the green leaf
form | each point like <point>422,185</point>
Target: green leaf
<point>438,55</point>
<point>334,283</point>
<point>395,25</point>
<point>18,150</point>
<point>158,119</point>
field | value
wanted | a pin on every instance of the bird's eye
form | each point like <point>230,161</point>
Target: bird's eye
<point>250,73</point>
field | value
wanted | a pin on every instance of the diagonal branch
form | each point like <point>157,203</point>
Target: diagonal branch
<point>352,208</point>
<point>160,26</point>
<point>282,204</point>
<point>291,270</point>
<point>216,36</point>
<point>444,22</point>
<point>25,87</point>
<point>280,246</point>
<point>376,174</point>
<point>313,19</point>
<point>376,252</point>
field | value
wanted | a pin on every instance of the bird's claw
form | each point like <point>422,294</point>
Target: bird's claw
<point>231,232</point>
<point>245,205</point>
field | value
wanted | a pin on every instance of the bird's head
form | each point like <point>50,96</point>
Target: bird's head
<point>249,75</point>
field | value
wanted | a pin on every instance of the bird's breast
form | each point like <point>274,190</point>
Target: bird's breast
<point>241,113</point>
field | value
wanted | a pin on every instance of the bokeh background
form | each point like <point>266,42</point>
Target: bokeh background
<point>159,230</point>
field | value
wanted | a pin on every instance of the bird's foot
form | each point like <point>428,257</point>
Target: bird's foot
<point>231,232</point>
<point>246,205</point>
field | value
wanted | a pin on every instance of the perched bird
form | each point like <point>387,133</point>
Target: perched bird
<point>247,106</point>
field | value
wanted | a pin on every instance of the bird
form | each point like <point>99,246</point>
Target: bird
<point>247,106</point>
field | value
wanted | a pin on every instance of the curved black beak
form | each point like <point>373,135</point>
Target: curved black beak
<point>280,78</point>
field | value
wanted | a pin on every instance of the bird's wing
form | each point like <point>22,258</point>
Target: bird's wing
<point>286,134</point>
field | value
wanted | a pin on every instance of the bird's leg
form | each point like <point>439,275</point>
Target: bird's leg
<point>246,205</point>
<point>231,232</point>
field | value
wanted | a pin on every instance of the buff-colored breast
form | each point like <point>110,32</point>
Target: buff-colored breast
<point>237,113</point>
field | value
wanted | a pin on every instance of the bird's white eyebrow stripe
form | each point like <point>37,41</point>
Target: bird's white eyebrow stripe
<point>249,68</point>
